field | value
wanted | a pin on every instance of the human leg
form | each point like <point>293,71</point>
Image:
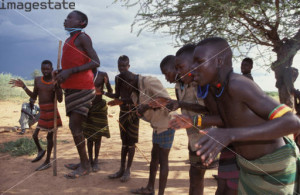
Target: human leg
<point>149,189</point>
<point>47,163</point>
<point>119,173</point>
<point>164,169</point>
<point>41,152</point>
<point>75,123</point>
<point>196,180</point>
<point>95,166</point>
<point>90,145</point>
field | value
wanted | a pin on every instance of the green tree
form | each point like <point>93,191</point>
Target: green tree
<point>35,73</point>
<point>274,25</point>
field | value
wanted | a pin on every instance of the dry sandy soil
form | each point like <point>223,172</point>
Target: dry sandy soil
<point>17,175</point>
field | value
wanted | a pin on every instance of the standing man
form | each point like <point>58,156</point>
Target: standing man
<point>76,78</point>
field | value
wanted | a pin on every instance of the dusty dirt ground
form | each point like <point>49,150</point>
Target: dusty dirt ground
<point>17,175</point>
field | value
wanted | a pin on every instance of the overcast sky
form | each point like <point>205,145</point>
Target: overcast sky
<point>28,38</point>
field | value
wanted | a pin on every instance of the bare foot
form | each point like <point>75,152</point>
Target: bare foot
<point>95,167</point>
<point>72,166</point>
<point>143,190</point>
<point>44,166</point>
<point>116,175</point>
<point>77,173</point>
<point>126,176</point>
<point>39,156</point>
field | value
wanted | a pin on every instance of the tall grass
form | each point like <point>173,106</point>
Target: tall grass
<point>7,92</point>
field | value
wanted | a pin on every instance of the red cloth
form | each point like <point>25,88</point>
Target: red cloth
<point>72,57</point>
<point>46,120</point>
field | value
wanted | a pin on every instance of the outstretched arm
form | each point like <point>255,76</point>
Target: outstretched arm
<point>20,83</point>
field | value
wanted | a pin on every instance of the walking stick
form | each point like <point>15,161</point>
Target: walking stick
<point>55,116</point>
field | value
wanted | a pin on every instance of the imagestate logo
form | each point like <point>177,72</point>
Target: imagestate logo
<point>36,5</point>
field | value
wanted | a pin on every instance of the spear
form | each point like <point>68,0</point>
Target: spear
<point>55,116</point>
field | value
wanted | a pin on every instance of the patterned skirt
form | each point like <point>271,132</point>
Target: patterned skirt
<point>46,120</point>
<point>79,101</point>
<point>96,124</point>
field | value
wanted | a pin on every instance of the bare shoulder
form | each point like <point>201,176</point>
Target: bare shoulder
<point>84,38</point>
<point>37,80</point>
<point>239,85</point>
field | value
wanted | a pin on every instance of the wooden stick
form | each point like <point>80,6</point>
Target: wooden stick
<point>55,116</point>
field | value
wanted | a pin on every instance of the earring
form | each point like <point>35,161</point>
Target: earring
<point>219,85</point>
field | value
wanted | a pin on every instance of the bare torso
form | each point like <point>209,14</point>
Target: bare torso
<point>44,90</point>
<point>237,112</point>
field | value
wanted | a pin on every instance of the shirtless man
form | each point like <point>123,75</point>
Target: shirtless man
<point>255,124</point>
<point>128,121</point>
<point>44,89</point>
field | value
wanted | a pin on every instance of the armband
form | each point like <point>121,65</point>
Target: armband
<point>279,111</point>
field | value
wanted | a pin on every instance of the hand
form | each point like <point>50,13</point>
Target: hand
<point>211,144</point>
<point>16,83</point>
<point>61,75</point>
<point>115,102</point>
<point>142,108</point>
<point>172,105</point>
<point>159,102</point>
<point>180,122</point>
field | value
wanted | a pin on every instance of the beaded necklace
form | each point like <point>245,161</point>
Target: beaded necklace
<point>224,85</point>
<point>202,91</point>
<point>45,82</point>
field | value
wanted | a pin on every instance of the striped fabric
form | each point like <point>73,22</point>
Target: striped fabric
<point>46,120</point>
<point>274,173</point>
<point>129,126</point>
<point>228,168</point>
<point>79,101</point>
<point>96,124</point>
<point>164,139</point>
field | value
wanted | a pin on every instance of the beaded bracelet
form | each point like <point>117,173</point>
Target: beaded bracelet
<point>197,120</point>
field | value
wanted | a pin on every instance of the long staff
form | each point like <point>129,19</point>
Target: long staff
<point>55,116</point>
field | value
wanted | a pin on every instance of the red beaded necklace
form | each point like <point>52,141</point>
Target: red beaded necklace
<point>45,82</point>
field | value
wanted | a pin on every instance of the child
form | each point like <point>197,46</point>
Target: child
<point>255,124</point>
<point>76,78</point>
<point>128,121</point>
<point>143,89</point>
<point>246,67</point>
<point>96,124</point>
<point>45,89</point>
